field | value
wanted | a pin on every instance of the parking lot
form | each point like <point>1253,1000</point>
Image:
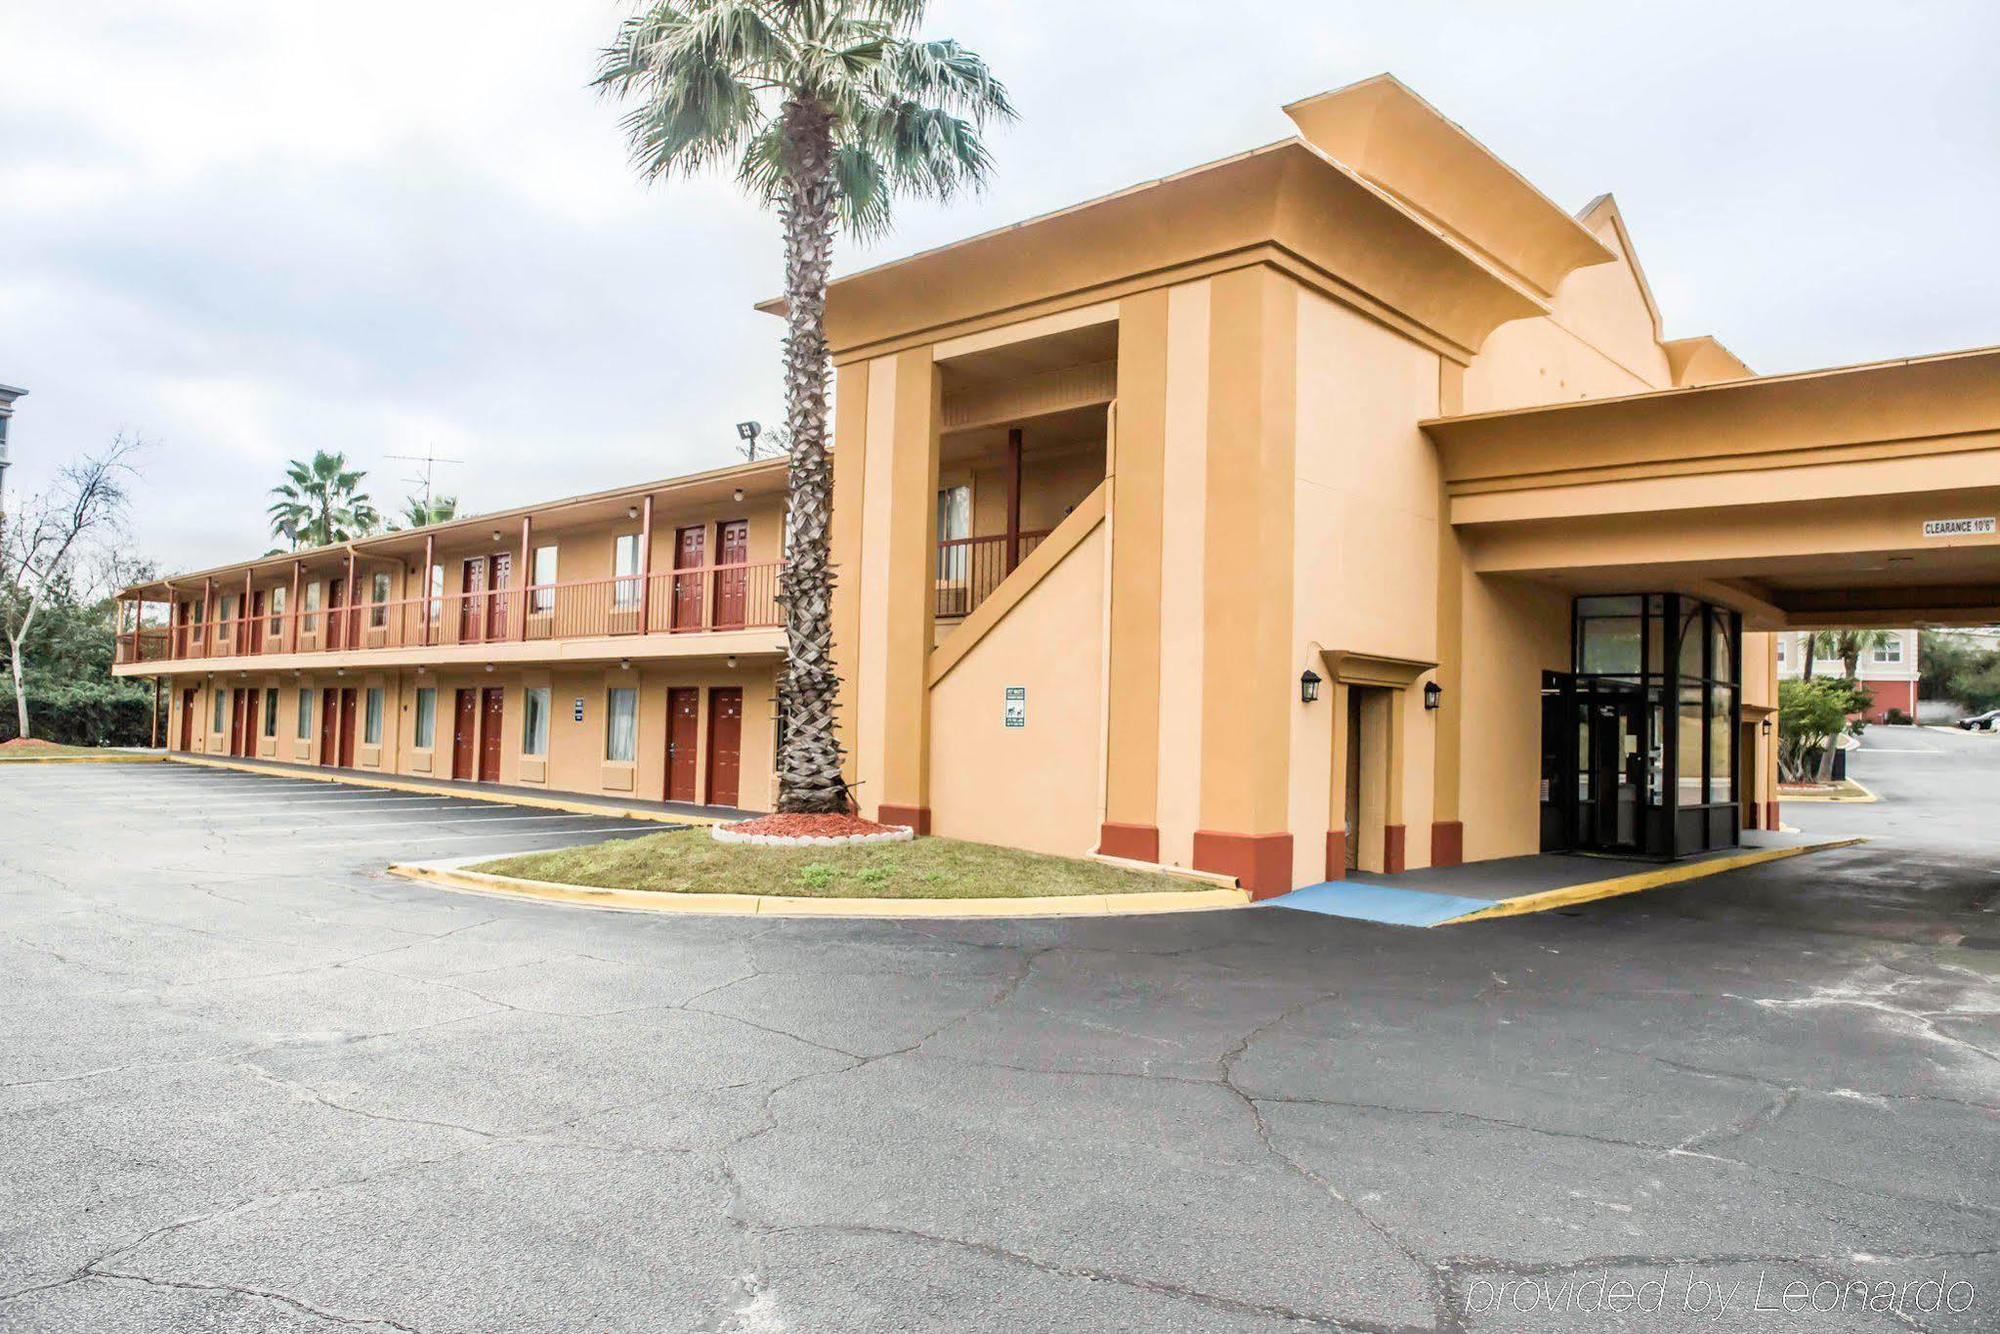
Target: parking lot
<point>248,1081</point>
<point>167,808</point>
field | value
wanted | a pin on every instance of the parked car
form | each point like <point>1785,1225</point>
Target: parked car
<point>1981,722</point>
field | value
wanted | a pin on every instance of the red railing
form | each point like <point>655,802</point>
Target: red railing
<point>710,598</point>
<point>970,568</point>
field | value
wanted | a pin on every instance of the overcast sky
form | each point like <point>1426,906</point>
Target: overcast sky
<point>250,230</point>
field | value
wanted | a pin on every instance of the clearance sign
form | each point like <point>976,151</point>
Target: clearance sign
<point>1958,527</point>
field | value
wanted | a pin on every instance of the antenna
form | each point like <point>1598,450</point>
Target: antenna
<point>430,459</point>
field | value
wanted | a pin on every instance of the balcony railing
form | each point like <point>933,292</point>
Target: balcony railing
<point>690,601</point>
<point>970,568</point>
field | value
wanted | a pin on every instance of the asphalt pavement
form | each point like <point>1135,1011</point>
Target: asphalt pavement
<point>248,1081</point>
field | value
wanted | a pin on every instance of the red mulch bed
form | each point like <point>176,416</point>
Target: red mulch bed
<point>28,746</point>
<point>808,826</point>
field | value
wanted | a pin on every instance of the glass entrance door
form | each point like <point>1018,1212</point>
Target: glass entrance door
<point>1611,770</point>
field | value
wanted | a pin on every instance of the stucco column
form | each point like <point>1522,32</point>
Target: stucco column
<point>1249,676</point>
<point>1136,459</point>
<point>844,542</point>
<point>898,589</point>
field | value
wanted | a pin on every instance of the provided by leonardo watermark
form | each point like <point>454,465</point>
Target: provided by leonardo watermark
<point>1682,1291</point>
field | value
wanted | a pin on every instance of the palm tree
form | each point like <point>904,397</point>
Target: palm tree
<point>322,503</point>
<point>421,512</point>
<point>1811,645</point>
<point>1849,645</point>
<point>825,109</point>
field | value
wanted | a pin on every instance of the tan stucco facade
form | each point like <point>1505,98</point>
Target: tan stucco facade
<point>1342,435</point>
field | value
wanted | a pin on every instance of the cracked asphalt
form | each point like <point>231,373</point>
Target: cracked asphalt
<point>249,1082</point>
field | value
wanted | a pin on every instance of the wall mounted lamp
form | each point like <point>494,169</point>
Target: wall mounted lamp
<point>1765,728</point>
<point>1433,695</point>
<point>1309,684</point>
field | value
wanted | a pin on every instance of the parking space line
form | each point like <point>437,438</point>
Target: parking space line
<point>424,839</point>
<point>462,820</point>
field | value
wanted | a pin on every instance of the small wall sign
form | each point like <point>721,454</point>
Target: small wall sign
<point>577,712</point>
<point>1959,527</point>
<point>1017,706</point>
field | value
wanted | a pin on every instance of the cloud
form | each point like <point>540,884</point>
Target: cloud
<point>253,230</point>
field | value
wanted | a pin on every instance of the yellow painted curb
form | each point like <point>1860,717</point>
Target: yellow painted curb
<point>783,905</point>
<point>348,778</point>
<point>1644,880</point>
<point>82,759</point>
<point>1787,798</point>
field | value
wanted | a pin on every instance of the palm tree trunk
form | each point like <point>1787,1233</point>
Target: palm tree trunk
<point>810,762</point>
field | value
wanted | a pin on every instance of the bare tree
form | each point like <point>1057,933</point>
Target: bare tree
<point>39,548</point>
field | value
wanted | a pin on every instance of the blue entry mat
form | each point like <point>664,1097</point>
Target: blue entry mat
<point>1378,903</point>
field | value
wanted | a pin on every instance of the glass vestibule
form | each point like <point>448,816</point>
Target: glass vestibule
<point>1639,738</point>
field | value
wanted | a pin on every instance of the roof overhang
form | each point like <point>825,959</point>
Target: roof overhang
<point>1402,143</point>
<point>1882,403</point>
<point>1289,203</point>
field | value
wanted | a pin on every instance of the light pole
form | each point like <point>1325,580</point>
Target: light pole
<point>747,433</point>
<point>8,393</point>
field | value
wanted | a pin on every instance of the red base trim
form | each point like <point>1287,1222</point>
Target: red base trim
<point>1261,863</point>
<point>1447,843</point>
<point>1134,842</point>
<point>1771,820</point>
<point>916,817</point>
<point>1336,854</point>
<point>1395,858</point>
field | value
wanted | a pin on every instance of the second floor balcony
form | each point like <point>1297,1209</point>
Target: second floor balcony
<point>678,602</point>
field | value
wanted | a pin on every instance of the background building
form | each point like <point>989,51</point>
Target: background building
<point>1888,670</point>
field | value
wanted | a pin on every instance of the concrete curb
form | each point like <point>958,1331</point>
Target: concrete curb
<point>452,875</point>
<point>1787,798</point>
<point>1644,880</point>
<point>347,778</point>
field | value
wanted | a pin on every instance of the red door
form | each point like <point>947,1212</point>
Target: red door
<point>187,720</point>
<point>499,575</point>
<point>235,722</point>
<point>683,742</point>
<point>725,744</point>
<point>254,640</point>
<point>347,712</point>
<point>336,590</point>
<point>494,707</point>
<point>465,734</point>
<point>471,614</point>
<point>732,543</point>
<point>329,726</point>
<point>689,547</point>
<point>250,732</point>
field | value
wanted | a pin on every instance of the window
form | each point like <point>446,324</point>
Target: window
<point>427,704</point>
<point>1890,652</point>
<point>954,525</point>
<point>304,732</point>
<point>535,721</point>
<point>372,726</point>
<point>310,621</point>
<point>221,698</point>
<point>437,593</point>
<point>625,566</point>
<point>1781,647</point>
<point>543,577</point>
<point>200,610</point>
<point>378,597</point>
<point>278,611</point>
<point>228,615</point>
<point>271,712</point>
<point>621,726</point>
